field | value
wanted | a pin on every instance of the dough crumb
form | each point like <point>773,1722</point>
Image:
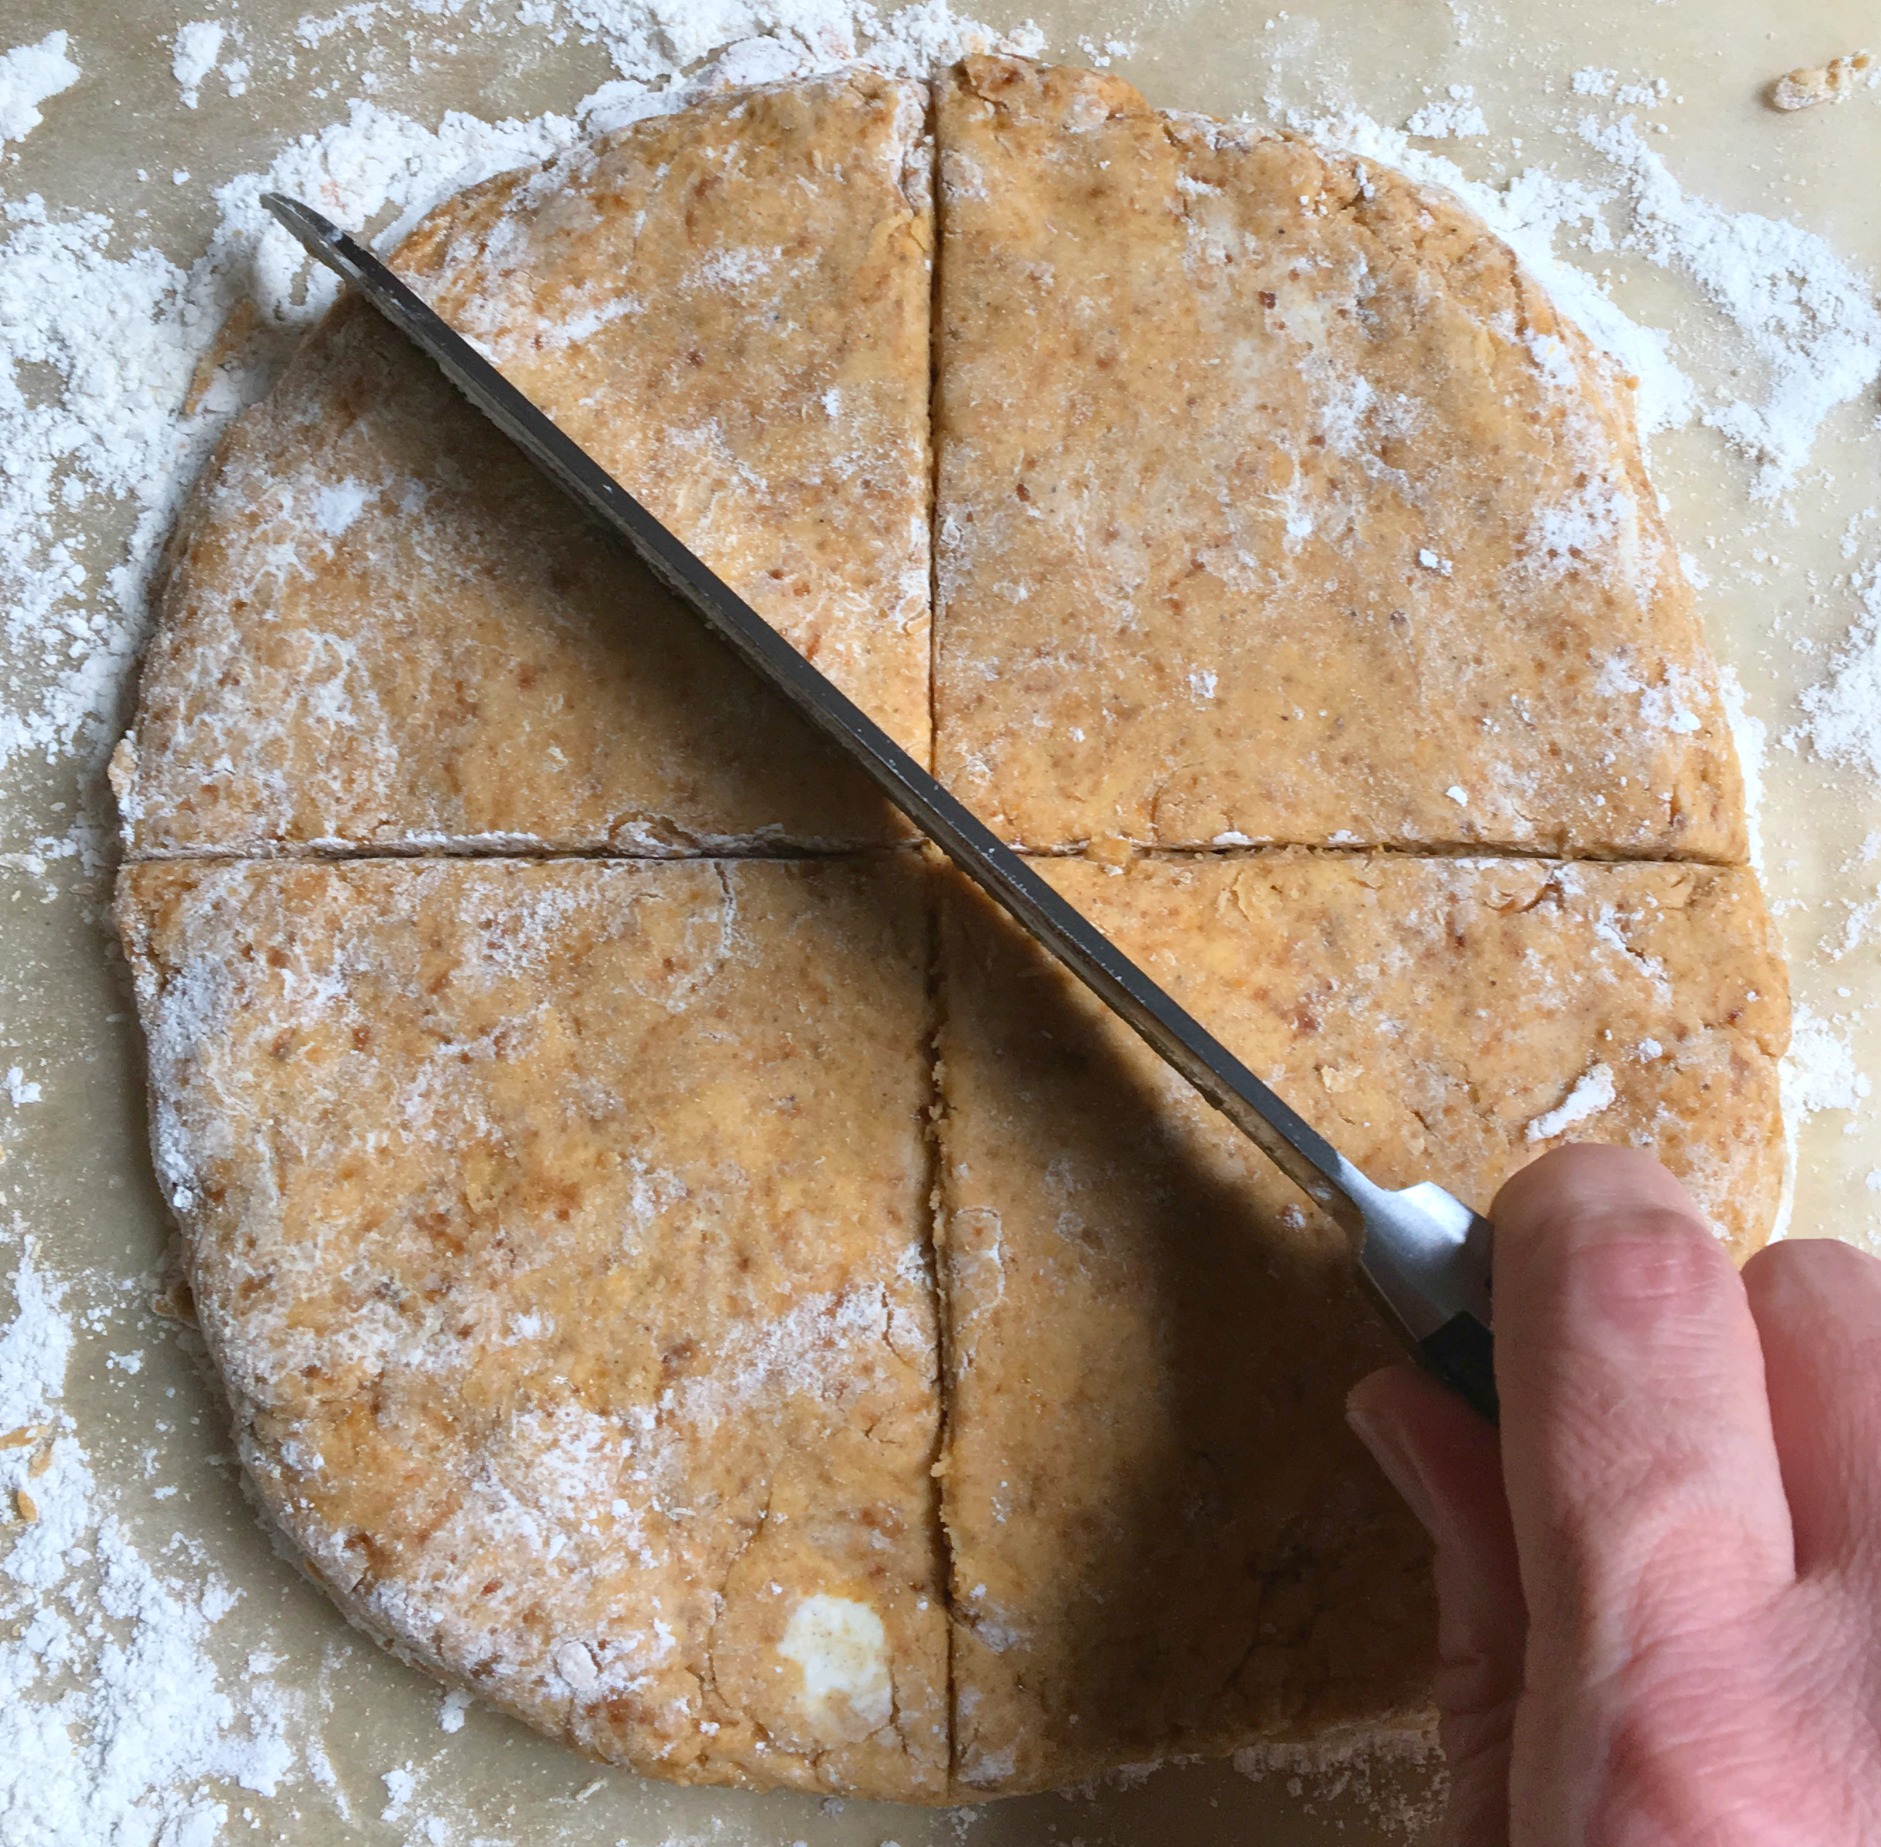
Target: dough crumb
<point>1822,83</point>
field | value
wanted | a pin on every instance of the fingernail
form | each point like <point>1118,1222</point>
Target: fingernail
<point>1399,1465</point>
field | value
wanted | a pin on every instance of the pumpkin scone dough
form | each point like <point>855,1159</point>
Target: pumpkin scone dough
<point>565,1229</point>
<point>1163,1537</point>
<point>379,627</point>
<point>559,1232</point>
<point>1276,503</point>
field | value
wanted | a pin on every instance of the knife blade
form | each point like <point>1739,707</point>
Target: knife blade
<point>1422,1255</point>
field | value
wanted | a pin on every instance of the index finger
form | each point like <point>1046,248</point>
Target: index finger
<point>1642,1470</point>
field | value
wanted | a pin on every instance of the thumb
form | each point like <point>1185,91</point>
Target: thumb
<point>1446,1463</point>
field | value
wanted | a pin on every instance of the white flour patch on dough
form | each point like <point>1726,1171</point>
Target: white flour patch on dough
<point>1592,1093</point>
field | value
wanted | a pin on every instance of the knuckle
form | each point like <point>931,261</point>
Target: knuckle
<point>1644,1265</point>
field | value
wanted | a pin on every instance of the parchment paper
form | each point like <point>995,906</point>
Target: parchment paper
<point>76,1170</point>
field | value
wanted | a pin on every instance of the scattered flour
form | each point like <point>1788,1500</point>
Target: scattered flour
<point>1820,1072</point>
<point>1842,714</point>
<point>1647,95</point>
<point>197,52</point>
<point>1530,212</point>
<point>1398,1777</point>
<point>1456,119</point>
<point>29,74</point>
<point>124,334</point>
<point>759,41</point>
<point>114,1725</point>
<point>121,335</point>
<point>1809,321</point>
<point>1805,328</point>
<point>1100,54</point>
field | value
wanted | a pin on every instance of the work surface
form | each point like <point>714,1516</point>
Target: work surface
<point>228,1681</point>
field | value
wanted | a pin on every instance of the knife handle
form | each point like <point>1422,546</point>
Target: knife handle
<point>1462,1354</point>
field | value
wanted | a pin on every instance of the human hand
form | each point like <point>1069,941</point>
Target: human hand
<point>1659,1584</point>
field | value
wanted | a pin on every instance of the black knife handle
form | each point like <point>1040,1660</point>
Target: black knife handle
<point>1462,1353</point>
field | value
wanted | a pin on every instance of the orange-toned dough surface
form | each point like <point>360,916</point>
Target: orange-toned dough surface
<point>1163,1537</point>
<point>566,1228</point>
<point>1275,503</point>
<point>380,628</point>
<point>559,1232</point>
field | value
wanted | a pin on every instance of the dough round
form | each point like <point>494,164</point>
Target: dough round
<point>682,1268</point>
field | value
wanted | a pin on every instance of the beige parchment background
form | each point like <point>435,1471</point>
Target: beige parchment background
<point>75,1174</point>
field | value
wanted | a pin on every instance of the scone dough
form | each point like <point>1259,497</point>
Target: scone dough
<point>379,627</point>
<point>559,1232</point>
<point>1276,503</point>
<point>567,1076</point>
<point>1163,1537</point>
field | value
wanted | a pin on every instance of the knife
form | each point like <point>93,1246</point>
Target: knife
<point>1422,1255</point>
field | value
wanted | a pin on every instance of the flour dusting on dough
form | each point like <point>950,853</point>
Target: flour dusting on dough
<point>1593,1092</point>
<point>841,1648</point>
